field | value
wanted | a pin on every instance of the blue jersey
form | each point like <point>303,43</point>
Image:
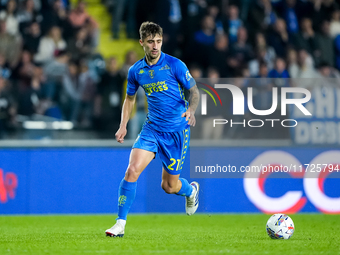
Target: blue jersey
<point>164,85</point>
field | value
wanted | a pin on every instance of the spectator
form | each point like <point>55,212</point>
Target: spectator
<point>28,15</point>
<point>325,44</point>
<point>130,59</point>
<point>244,9</point>
<point>169,18</point>
<point>219,56</point>
<point>196,72</point>
<point>3,4</point>
<point>108,100</point>
<point>234,23</point>
<point>263,70</point>
<point>280,74</point>
<point>80,46</point>
<point>78,16</point>
<point>198,50</point>
<point>5,72</point>
<point>208,130</point>
<point>280,70</point>
<point>7,107</point>
<point>32,38</point>
<point>130,7</point>
<point>55,16</point>
<point>214,11</point>
<point>54,71</point>
<point>262,89</point>
<point>37,4</point>
<point>261,16</point>
<point>323,9</point>
<point>9,15</point>
<point>49,46</point>
<point>306,70</point>
<point>25,68</point>
<point>31,97</point>
<point>306,39</point>
<point>291,17</point>
<point>86,89</point>
<point>270,55</point>
<point>193,12</point>
<point>206,36</point>
<point>335,24</point>
<point>278,38</point>
<point>254,65</point>
<point>292,60</point>
<point>264,53</point>
<point>241,51</point>
<point>9,46</point>
<point>92,34</point>
<point>327,71</point>
<point>292,11</point>
<point>70,98</point>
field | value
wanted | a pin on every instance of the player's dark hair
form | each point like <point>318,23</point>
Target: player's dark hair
<point>149,28</point>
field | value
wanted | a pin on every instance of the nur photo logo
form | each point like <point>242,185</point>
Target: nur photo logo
<point>281,99</point>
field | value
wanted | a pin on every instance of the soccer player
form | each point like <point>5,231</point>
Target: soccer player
<point>166,131</point>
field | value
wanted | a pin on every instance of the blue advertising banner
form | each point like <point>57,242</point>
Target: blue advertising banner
<point>323,126</point>
<point>85,180</point>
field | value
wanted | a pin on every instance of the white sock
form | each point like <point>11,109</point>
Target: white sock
<point>122,222</point>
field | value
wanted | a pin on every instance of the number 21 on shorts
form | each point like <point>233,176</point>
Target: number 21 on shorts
<point>174,161</point>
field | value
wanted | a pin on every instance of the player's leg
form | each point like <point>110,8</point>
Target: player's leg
<point>173,150</point>
<point>173,184</point>
<point>139,159</point>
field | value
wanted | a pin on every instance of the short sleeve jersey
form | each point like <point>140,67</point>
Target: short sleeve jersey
<point>164,85</point>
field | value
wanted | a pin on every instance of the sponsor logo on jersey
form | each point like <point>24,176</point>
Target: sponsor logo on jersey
<point>155,87</point>
<point>166,67</point>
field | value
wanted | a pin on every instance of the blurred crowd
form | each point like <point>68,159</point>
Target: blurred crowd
<point>249,38</point>
<point>48,62</point>
<point>49,65</point>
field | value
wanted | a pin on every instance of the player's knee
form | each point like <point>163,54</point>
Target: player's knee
<point>132,173</point>
<point>168,188</point>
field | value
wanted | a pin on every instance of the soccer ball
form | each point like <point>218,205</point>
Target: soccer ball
<point>280,226</point>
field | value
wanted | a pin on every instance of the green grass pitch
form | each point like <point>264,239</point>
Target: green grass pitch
<point>166,234</point>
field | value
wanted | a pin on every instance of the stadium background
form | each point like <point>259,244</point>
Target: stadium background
<point>63,73</point>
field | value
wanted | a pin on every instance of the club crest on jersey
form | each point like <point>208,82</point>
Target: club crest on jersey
<point>152,73</point>
<point>188,76</point>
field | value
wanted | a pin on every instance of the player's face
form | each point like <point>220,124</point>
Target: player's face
<point>152,46</point>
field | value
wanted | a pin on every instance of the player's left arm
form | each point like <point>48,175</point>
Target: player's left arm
<point>193,103</point>
<point>184,78</point>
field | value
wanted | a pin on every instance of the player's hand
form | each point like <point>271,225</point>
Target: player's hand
<point>121,133</point>
<point>190,117</point>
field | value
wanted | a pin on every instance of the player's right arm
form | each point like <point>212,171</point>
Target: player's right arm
<point>126,113</point>
<point>128,104</point>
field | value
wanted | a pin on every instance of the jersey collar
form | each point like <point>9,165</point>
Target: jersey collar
<point>159,62</point>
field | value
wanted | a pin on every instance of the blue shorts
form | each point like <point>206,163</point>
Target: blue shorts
<point>171,147</point>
